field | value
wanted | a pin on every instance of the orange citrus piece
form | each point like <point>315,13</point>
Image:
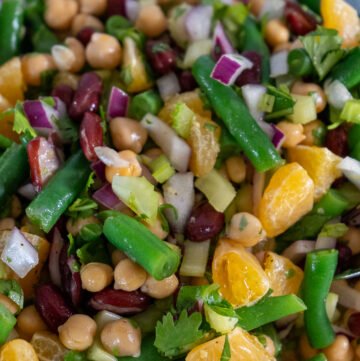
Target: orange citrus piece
<point>6,123</point>
<point>320,164</point>
<point>239,274</point>
<point>48,346</point>
<point>288,196</point>
<point>341,16</point>
<point>243,347</point>
<point>18,350</point>
<point>285,277</point>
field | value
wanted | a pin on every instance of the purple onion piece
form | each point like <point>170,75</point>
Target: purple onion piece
<point>54,257</point>
<point>198,22</point>
<point>99,168</point>
<point>278,137</point>
<point>222,44</point>
<point>108,199</point>
<point>118,103</point>
<point>132,8</point>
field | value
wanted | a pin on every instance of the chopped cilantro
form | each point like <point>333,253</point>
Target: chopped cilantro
<point>226,353</point>
<point>21,123</point>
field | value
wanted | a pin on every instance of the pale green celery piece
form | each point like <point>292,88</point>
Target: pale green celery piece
<point>97,353</point>
<point>220,323</point>
<point>195,258</point>
<point>351,111</point>
<point>161,168</point>
<point>181,119</point>
<point>304,109</point>
<point>331,303</point>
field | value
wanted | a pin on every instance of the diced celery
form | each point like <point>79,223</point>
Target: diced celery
<point>161,168</point>
<point>195,258</point>
<point>97,353</point>
<point>220,323</point>
<point>7,322</point>
<point>331,303</point>
<point>195,50</point>
<point>217,189</point>
<point>304,109</point>
<point>267,103</point>
<point>139,195</point>
<point>181,118</point>
<point>351,111</point>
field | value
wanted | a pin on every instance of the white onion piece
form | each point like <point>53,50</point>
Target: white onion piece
<point>351,169</point>
<point>27,191</point>
<point>279,64</point>
<point>198,22</point>
<point>179,192</point>
<point>272,9</point>
<point>110,157</point>
<point>348,297</point>
<point>325,243</point>
<point>19,254</point>
<point>168,85</point>
<point>298,250</point>
<point>337,94</point>
<point>221,43</point>
<point>343,330</point>
<point>176,24</point>
<point>195,50</point>
<point>175,148</point>
<point>132,8</point>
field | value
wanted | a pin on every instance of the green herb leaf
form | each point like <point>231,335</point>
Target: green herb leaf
<point>226,353</point>
<point>68,130</point>
<point>21,123</point>
<point>163,219</point>
<point>93,252</point>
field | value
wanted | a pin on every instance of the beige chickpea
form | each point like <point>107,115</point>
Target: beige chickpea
<point>69,58</point>
<point>160,289</point>
<point>151,20</point>
<point>357,286</point>
<point>82,21</point>
<point>340,350</point>
<point>66,78</point>
<point>128,275</point>
<point>312,89</point>
<point>60,13</point>
<point>156,229</point>
<point>310,130</point>
<point>256,6</point>
<point>352,236</point>
<point>33,65</point>
<point>236,169</point>
<point>223,171</point>
<point>7,224</point>
<point>153,153</point>
<point>121,338</point>
<point>294,133</point>
<point>357,350</point>
<point>117,256</point>
<point>282,46</point>
<point>103,51</point>
<point>306,350</point>
<point>74,226</point>
<point>95,276</point>
<point>276,33</point>
<point>9,304</point>
<point>128,134</point>
<point>78,332</point>
<point>93,7</point>
<point>245,229</point>
<point>15,207</point>
<point>29,321</point>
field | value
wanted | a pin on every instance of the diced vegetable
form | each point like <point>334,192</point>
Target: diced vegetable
<point>351,169</point>
<point>337,94</point>
<point>350,112</point>
<point>220,323</point>
<point>221,43</point>
<point>304,109</point>
<point>195,50</point>
<point>143,103</point>
<point>198,22</point>
<point>182,117</point>
<point>279,64</point>
<point>118,103</point>
<point>7,321</point>
<point>195,258</point>
<point>168,85</point>
<point>161,169</point>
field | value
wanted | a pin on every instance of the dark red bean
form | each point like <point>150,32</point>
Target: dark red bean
<point>187,81</point>
<point>85,34</point>
<point>91,135</point>
<point>300,22</point>
<point>253,75</point>
<point>354,323</point>
<point>336,141</point>
<point>65,93</point>
<point>204,223</point>
<point>87,96</point>
<point>116,7</point>
<point>344,257</point>
<point>352,218</point>
<point>52,306</point>
<point>118,301</point>
<point>162,58</point>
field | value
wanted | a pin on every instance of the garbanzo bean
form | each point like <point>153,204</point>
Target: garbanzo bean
<point>74,226</point>
<point>256,6</point>
<point>310,131</point>
<point>15,207</point>
<point>117,256</point>
<point>128,275</point>
<point>7,224</point>
<point>156,229</point>
<point>33,65</point>
<point>294,133</point>
<point>121,338</point>
<point>29,321</point>
<point>352,236</point>
<point>66,78</point>
<point>60,13</point>
<point>306,350</point>
<point>151,20</point>
<point>160,289</point>
<point>340,350</point>
<point>236,169</point>
<point>153,153</point>
<point>311,89</point>
<point>82,21</point>
<point>93,7</point>
<point>78,332</point>
<point>71,57</point>
<point>276,33</point>
<point>95,276</point>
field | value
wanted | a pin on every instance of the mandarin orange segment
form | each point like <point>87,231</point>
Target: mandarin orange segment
<point>18,350</point>
<point>6,123</point>
<point>243,347</point>
<point>284,276</point>
<point>288,196</point>
<point>48,346</point>
<point>341,16</point>
<point>320,164</point>
<point>239,274</point>
<point>12,83</point>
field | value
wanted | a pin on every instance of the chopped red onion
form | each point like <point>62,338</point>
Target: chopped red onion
<point>118,103</point>
<point>229,67</point>
<point>198,22</point>
<point>27,191</point>
<point>108,199</point>
<point>40,115</point>
<point>99,168</point>
<point>19,254</point>
<point>57,245</point>
<point>278,137</point>
<point>279,64</point>
<point>132,8</point>
<point>110,157</point>
<point>351,170</point>
<point>221,43</point>
<point>168,85</point>
<point>298,250</point>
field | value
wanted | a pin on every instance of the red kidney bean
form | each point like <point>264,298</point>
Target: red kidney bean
<point>116,7</point>
<point>300,22</point>
<point>336,141</point>
<point>64,92</point>
<point>352,218</point>
<point>52,306</point>
<point>85,34</point>
<point>118,301</point>
<point>162,58</point>
<point>253,75</point>
<point>187,81</point>
<point>344,257</point>
<point>354,323</point>
<point>204,223</point>
<point>87,96</point>
<point>91,135</point>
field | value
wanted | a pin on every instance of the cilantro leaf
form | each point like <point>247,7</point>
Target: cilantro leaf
<point>226,353</point>
<point>67,129</point>
<point>324,48</point>
<point>174,338</point>
<point>21,123</point>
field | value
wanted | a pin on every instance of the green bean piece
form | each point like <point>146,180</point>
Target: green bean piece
<point>143,103</point>
<point>7,322</point>
<point>300,63</point>
<point>5,142</point>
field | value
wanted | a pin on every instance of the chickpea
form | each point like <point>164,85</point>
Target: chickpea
<point>357,350</point>
<point>33,65</point>
<point>282,46</point>
<point>357,286</point>
<point>223,171</point>
<point>70,58</point>
<point>132,170</point>
<point>276,33</point>
<point>352,236</point>
<point>60,13</point>
<point>294,133</point>
<point>93,7</point>
<point>236,169</point>
<point>95,276</point>
<point>15,207</point>
<point>160,289</point>
<point>103,51</point>
<point>128,134</point>
<point>66,78</point>
<point>78,332</point>
<point>310,129</point>
<point>312,89</point>
<point>9,304</point>
<point>117,256</point>
<point>7,224</point>
<point>74,226</point>
<point>340,350</point>
<point>29,321</point>
<point>245,229</point>
<point>256,6</point>
<point>156,229</point>
<point>82,21</point>
<point>306,349</point>
<point>151,20</point>
<point>153,153</point>
<point>128,275</point>
<point>121,338</point>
